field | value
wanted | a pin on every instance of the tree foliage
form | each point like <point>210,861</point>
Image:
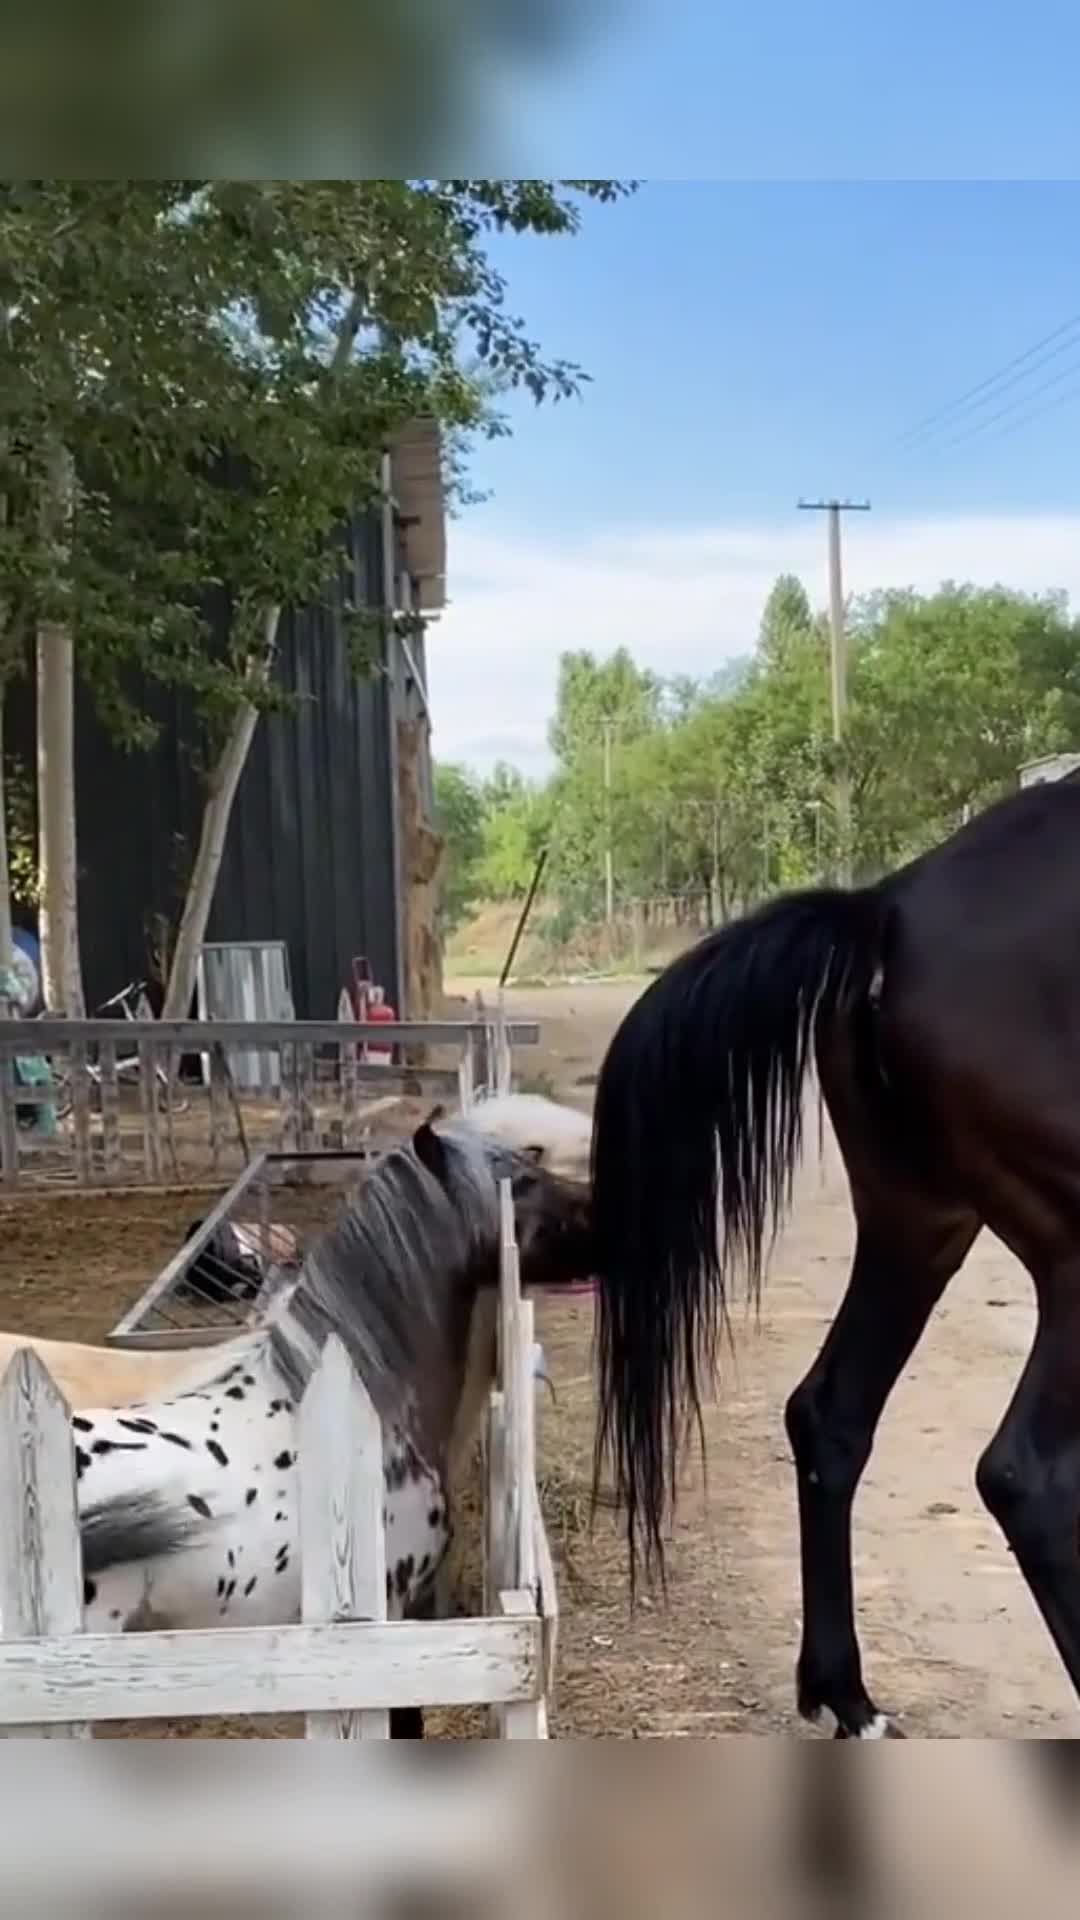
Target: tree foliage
<point>594,694</point>
<point>726,787</point>
<point>459,816</point>
<point>222,364</point>
<point>180,339</point>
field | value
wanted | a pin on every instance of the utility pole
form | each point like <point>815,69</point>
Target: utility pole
<point>838,656</point>
<point>609,859</point>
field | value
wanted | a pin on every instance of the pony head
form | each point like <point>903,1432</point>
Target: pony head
<point>552,1214</point>
<point>556,1137</point>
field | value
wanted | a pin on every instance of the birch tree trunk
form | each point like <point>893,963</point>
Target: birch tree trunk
<point>59,911</point>
<point>5,867</point>
<point>221,792</point>
<point>5,858</point>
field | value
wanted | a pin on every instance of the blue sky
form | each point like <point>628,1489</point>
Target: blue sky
<point>782,90</point>
<point>749,343</point>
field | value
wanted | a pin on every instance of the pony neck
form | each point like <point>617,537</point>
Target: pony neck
<point>397,1279</point>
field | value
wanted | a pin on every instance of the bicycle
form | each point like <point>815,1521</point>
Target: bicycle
<point>135,1006</point>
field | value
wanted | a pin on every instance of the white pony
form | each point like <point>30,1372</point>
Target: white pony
<point>558,1137</point>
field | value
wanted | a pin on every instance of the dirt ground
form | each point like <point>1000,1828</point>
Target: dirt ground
<point>952,1643</point>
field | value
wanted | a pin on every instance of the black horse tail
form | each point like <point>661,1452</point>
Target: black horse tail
<point>696,1137</point>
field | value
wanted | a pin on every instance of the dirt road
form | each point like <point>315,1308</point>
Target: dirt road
<point>952,1642</point>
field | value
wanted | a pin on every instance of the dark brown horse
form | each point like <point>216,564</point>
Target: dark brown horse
<point>942,1007</point>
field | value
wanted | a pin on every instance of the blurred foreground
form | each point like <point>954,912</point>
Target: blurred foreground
<point>768,1827</point>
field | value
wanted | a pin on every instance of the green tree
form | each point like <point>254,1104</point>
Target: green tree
<point>788,739</point>
<point>459,816</point>
<point>199,379</point>
<point>516,827</point>
<point>592,694</point>
<point>503,787</point>
<point>730,678</point>
<point>951,692</point>
<point>727,786</point>
<point>786,619</point>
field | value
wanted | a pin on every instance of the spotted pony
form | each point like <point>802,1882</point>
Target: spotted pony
<point>188,1505</point>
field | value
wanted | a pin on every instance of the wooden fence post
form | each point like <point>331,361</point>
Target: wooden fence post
<point>110,1117</point>
<point>467,1076</point>
<point>40,1557</point>
<point>497,1572</point>
<point>521,1719</point>
<point>514,1524</point>
<point>347,1056</point>
<point>305,1097</point>
<point>481,1051</point>
<point>524,1455</point>
<point>79,1077</point>
<point>342,1536</point>
<point>289,1097</point>
<point>9,1130</point>
<point>515,1320</point>
<point>215,1088</point>
<point>502,1072</point>
<point>148,1094</point>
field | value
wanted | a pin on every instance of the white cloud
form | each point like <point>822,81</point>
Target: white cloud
<point>681,601</point>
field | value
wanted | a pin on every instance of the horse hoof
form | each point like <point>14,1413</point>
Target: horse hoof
<point>879,1728</point>
<point>406,1723</point>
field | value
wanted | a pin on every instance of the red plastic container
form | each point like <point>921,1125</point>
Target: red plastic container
<point>379,1013</point>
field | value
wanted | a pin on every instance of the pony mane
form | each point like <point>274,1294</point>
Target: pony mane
<point>400,1264</point>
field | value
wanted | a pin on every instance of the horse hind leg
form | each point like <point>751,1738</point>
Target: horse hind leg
<point>1029,1475</point>
<point>904,1259</point>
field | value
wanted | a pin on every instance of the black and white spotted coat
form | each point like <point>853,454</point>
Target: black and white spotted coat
<point>220,1462</point>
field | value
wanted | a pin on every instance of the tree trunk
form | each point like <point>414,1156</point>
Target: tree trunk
<point>422,855</point>
<point>5,868</point>
<point>5,859</point>
<point>222,788</point>
<point>59,912</point>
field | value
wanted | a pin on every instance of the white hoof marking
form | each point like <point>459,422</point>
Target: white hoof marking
<point>876,1729</point>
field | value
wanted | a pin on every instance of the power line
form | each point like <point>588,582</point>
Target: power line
<point>993,380</point>
<point>932,437</point>
<point>980,426</point>
<point>1048,406</point>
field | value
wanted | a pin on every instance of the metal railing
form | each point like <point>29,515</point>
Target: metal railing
<point>181,1116</point>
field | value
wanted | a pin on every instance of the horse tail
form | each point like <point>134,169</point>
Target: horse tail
<point>136,1526</point>
<point>697,1133</point>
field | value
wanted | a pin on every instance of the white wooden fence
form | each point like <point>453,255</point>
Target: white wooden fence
<point>343,1665</point>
